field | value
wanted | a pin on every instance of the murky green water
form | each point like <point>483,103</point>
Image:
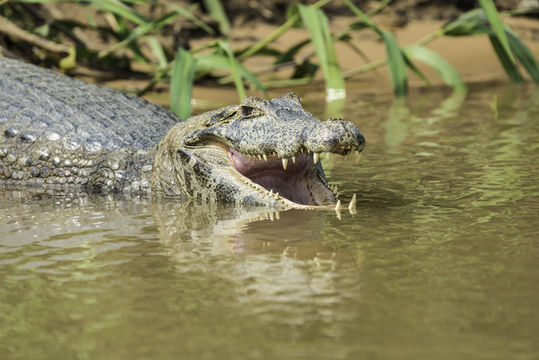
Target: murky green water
<point>440,262</point>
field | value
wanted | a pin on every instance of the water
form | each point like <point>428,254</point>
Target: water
<point>440,261</point>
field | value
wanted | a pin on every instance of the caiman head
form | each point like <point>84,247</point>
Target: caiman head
<point>259,152</point>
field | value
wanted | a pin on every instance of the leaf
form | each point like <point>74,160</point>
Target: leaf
<point>139,31</point>
<point>450,76</point>
<point>364,18</point>
<point>290,22</point>
<point>118,8</point>
<point>70,61</point>
<point>509,66</point>
<point>305,70</point>
<point>208,62</point>
<point>523,54</point>
<point>497,27</point>
<point>157,50</point>
<point>395,59</point>
<point>291,53</point>
<point>181,83</point>
<point>411,65</point>
<point>318,27</point>
<point>397,66</point>
<point>472,22</point>
<point>189,15</point>
<point>216,10</point>
<point>234,68</point>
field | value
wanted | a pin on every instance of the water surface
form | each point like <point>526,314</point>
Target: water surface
<point>441,260</point>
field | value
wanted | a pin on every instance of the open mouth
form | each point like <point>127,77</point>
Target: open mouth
<point>299,179</point>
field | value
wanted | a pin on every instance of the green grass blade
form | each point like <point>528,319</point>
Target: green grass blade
<point>250,77</point>
<point>217,12</point>
<point>396,63</point>
<point>37,1</point>
<point>208,62</point>
<point>509,66</point>
<point>395,59</point>
<point>139,31</point>
<point>364,18</point>
<point>181,83</point>
<point>188,15</point>
<point>157,50</point>
<point>120,9</point>
<point>411,66</point>
<point>318,27</point>
<point>450,76</point>
<point>497,27</point>
<point>291,53</point>
<point>523,54</point>
<point>234,68</point>
<point>290,22</point>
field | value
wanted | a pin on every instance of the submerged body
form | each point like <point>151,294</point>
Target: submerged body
<point>60,132</point>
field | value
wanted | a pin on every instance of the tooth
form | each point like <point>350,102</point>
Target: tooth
<point>271,216</point>
<point>357,157</point>
<point>338,209</point>
<point>276,196</point>
<point>285,163</point>
<point>294,159</point>
<point>259,157</point>
<point>265,157</point>
<point>352,206</point>
<point>316,157</point>
<point>271,191</point>
<point>277,215</point>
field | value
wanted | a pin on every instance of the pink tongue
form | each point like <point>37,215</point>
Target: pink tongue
<point>248,166</point>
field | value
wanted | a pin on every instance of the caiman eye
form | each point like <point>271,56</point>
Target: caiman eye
<point>247,111</point>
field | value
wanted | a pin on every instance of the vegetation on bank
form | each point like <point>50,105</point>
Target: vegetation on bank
<point>137,31</point>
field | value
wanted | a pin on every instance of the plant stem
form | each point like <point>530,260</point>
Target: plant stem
<point>277,33</point>
<point>431,37</point>
<point>364,68</point>
<point>376,64</point>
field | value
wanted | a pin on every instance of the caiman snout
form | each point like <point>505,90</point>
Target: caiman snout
<point>335,135</point>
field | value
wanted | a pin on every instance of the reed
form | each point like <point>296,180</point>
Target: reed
<point>138,37</point>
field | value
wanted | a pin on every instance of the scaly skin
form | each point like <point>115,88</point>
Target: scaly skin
<point>194,157</point>
<point>60,132</point>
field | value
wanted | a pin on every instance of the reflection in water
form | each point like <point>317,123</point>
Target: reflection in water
<point>439,262</point>
<point>397,125</point>
<point>281,274</point>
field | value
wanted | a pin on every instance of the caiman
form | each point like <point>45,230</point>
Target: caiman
<point>58,132</point>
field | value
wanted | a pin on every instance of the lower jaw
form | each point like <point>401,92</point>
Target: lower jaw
<point>298,190</point>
